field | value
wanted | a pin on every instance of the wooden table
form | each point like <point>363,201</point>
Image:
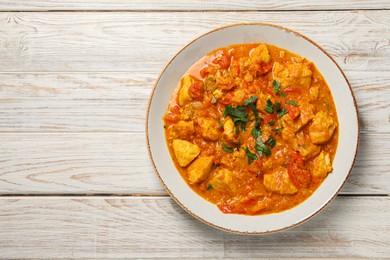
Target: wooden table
<point>75,175</point>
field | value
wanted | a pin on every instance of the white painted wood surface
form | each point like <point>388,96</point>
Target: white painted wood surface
<point>102,227</point>
<point>198,5</point>
<point>74,87</point>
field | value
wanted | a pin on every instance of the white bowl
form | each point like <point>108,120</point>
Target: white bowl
<point>249,33</point>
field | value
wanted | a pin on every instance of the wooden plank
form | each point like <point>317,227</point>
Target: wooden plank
<point>120,164</point>
<point>117,102</point>
<point>200,5</point>
<point>76,163</point>
<point>128,227</point>
<point>111,41</point>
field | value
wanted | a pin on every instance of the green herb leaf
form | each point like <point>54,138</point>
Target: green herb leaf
<point>271,142</point>
<point>209,187</point>
<point>250,100</point>
<point>243,126</point>
<point>282,112</point>
<point>235,112</point>
<point>238,119</point>
<point>282,94</point>
<point>227,149</point>
<point>262,148</point>
<point>251,156</point>
<point>257,123</point>
<point>256,132</point>
<point>254,110</point>
<point>213,100</point>
<point>276,85</point>
<point>293,103</point>
<point>277,106</point>
<point>270,107</point>
<point>272,122</point>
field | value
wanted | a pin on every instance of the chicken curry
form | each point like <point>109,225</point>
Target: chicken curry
<point>252,128</point>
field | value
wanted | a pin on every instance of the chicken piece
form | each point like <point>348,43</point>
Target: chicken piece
<point>262,100</point>
<point>210,128</point>
<point>321,165</point>
<point>248,78</point>
<point>223,181</point>
<point>279,181</point>
<point>290,126</point>
<point>278,158</point>
<point>261,54</point>
<point>184,95</point>
<point>236,160</point>
<point>306,114</point>
<point>183,130</point>
<point>238,97</point>
<point>184,151</point>
<point>199,169</point>
<point>302,144</point>
<point>322,128</point>
<point>292,74</point>
<point>289,129</point>
<point>266,131</point>
<point>229,130</point>
<point>218,93</point>
<point>314,92</point>
<point>224,80</point>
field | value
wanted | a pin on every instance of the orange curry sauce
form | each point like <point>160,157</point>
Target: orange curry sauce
<point>252,128</point>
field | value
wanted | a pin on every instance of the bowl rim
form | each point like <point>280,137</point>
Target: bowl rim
<point>309,216</point>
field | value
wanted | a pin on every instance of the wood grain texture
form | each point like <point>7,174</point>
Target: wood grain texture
<point>119,164</point>
<point>132,42</point>
<point>117,102</point>
<point>201,5</point>
<point>74,87</point>
<point>103,227</point>
<point>77,163</point>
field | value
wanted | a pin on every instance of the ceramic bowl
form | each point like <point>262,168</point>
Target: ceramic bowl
<point>249,33</point>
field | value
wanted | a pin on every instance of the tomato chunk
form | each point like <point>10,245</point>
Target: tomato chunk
<point>297,172</point>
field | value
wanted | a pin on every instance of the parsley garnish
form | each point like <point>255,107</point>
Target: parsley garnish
<point>256,132</point>
<point>277,106</point>
<point>235,112</point>
<point>239,114</point>
<point>293,103</point>
<point>209,187</point>
<point>279,111</point>
<point>262,148</point>
<point>282,112</point>
<point>277,89</point>
<point>271,123</point>
<point>276,85</point>
<point>227,149</point>
<point>270,107</point>
<point>271,142</point>
<point>250,100</point>
<point>251,156</point>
